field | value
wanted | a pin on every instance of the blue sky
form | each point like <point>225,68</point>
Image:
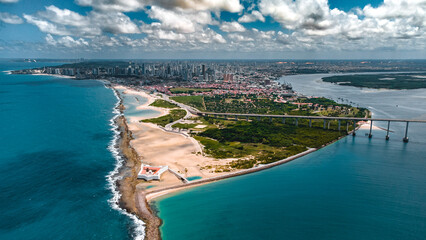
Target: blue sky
<point>280,29</point>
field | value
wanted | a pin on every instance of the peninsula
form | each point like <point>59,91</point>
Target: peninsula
<point>396,81</point>
<point>179,148</point>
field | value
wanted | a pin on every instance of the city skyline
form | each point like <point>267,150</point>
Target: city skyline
<point>226,29</point>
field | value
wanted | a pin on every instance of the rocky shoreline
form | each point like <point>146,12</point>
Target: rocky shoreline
<point>132,200</point>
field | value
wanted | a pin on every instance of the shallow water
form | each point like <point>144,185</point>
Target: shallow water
<point>131,103</point>
<point>356,188</point>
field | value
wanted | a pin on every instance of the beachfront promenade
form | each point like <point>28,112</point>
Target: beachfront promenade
<point>326,120</point>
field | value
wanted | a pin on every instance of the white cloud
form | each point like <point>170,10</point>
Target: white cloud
<point>65,22</point>
<point>397,9</point>
<point>179,20</point>
<point>311,14</point>
<point>186,25</point>
<point>115,23</point>
<point>201,5</point>
<point>239,38</point>
<point>10,18</point>
<point>135,5</point>
<point>63,16</point>
<point>252,17</point>
<point>46,26</point>
<point>9,1</point>
<point>66,41</point>
<point>232,27</point>
<point>314,19</point>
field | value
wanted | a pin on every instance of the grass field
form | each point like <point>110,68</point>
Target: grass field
<point>163,104</point>
<point>174,115</point>
<point>194,101</point>
<point>261,142</point>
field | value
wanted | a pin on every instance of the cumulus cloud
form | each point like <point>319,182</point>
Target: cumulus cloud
<point>394,19</point>
<point>397,9</point>
<point>66,41</point>
<point>188,25</point>
<point>115,23</point>
<point>9,1</point>
<point>252,17</point>
<point>65,22</point>
<point>313,14</point>
<point>179,20</point>
<point>232,27</point>
<point>135,5</point>
<point>63,16</point>
<point>155,31</point>
<point>10,18</point>
<point>46,26</point>
<point>239,38</point>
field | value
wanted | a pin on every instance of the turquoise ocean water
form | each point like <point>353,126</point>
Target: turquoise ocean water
<point>356,188</point>
<point>55,157</point>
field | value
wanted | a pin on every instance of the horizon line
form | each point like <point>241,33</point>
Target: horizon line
<point>225,59</point>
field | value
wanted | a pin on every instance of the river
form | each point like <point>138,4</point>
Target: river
<point>356,188</point>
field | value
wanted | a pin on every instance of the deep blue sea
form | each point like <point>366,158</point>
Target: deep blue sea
<point>357,188</point>
<point>55,160</point>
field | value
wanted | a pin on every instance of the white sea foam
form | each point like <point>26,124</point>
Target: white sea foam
<point>114,176</point>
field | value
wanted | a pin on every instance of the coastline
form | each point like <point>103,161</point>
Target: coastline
<point>136,196</point>
<point>54,75</point>
<point>122,180</point>
<point>130,199</point>
<point>151,195</point>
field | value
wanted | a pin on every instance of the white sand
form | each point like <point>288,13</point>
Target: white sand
<point>366,125</point>
<point>161,148</point>
<point>151,99</point>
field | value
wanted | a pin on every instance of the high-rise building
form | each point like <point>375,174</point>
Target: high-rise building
<point>204,71</point>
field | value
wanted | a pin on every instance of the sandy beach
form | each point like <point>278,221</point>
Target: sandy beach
<point>53,75</point>
<point>144,106</point>
<point>149,144</point>
<point>157,147</point>
<point>366,125</point>
<point>181,153</point>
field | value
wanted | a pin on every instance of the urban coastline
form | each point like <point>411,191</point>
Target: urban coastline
<point>191,146</point>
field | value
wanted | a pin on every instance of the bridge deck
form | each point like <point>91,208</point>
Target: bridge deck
<point>312,117</point>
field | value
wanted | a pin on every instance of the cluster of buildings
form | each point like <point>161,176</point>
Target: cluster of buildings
<point>234,84</point>
<point>186,71</point>
<point>219,77</point>
<point>216,70</point>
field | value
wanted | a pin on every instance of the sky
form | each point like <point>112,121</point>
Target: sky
<point>213,29</point>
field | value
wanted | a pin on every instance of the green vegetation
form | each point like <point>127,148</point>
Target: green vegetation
<point>175,114</point>
<point>189,90</point>
<point>163,104</point>
<point>253,104</point>
<point>235,104</point>
<point>246,104</point>
<point>388,81</point>
<point>185,125</point>
<point>322,101</point>
<point>193,122</point>
<point>262,142</point>
<point>194,101</point>
<point>272,134</point>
